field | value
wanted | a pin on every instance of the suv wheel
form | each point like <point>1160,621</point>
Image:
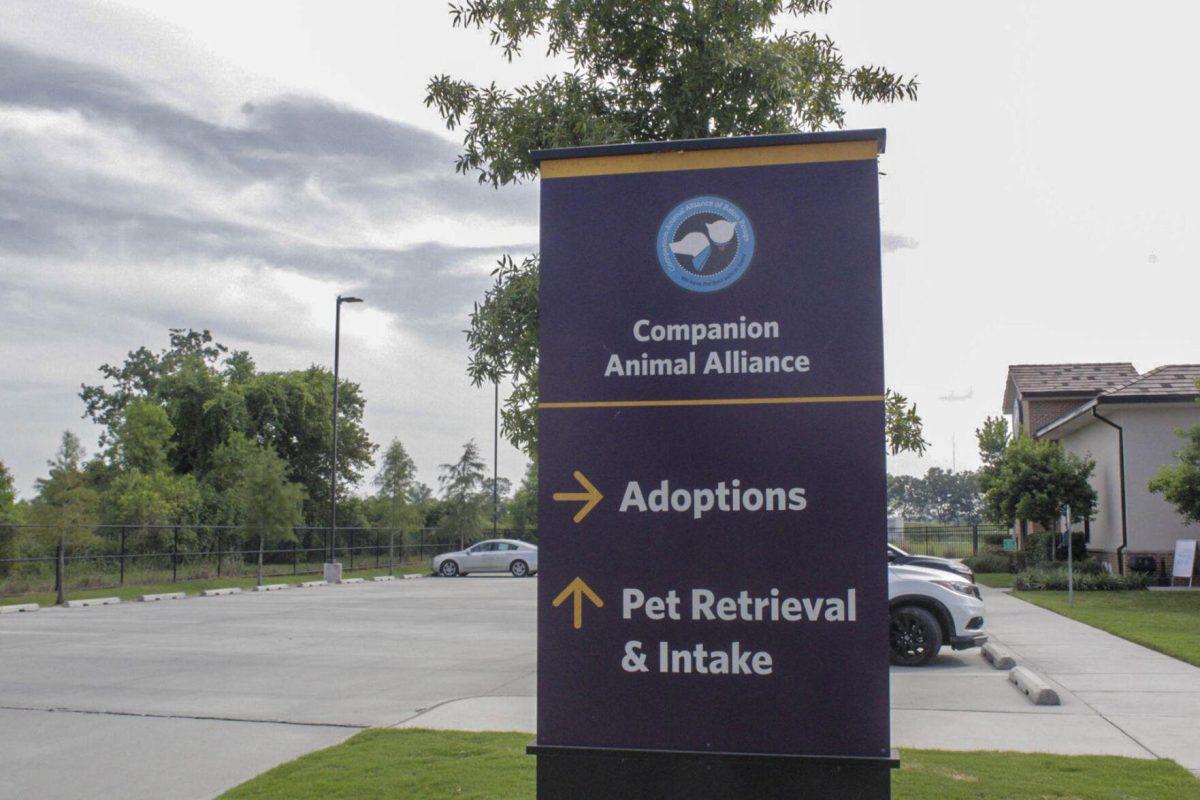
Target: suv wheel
<point>915,636</point>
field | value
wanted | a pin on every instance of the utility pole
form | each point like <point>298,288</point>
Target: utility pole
<point>496,465</point>
<point>392,532</point>
<point>333,571</point>
<point>60,569</point>
<point>1070,562</point>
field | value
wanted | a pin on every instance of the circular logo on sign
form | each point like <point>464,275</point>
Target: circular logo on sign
<point>705,244</point>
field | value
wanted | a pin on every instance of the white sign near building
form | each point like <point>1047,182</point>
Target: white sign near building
<point>1185,559</point>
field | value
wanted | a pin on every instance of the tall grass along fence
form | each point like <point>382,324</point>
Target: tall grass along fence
<point>949,541</point>
<point>109,556</point>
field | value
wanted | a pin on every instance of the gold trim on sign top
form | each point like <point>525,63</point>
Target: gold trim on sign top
<point>710,159</point>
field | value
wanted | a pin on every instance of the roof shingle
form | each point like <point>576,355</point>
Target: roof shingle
<point>1172,380</point>
<point>1083,380</point>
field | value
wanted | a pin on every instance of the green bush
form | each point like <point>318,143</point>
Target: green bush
<point>1039,548</point>
<point>1046,548</point>
<point>1055,579</point>
<point>990,562</point>
<point>996,539</point>
<point>1089,566</point>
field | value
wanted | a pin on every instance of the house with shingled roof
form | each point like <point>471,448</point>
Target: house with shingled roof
<point>1037,394</point>
<point>1126,422</point>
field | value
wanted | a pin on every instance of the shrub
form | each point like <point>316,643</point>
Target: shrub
<point>1039,548</point>
<point>990,562</point>
<point>1055,579</point>
<point>996,539</point>
<point>1089,566</point>
<point>1045,548</point>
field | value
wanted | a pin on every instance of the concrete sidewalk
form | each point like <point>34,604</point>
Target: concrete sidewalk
<point>1124,689</point>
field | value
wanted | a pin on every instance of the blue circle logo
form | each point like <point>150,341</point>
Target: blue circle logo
<point>705,244</point>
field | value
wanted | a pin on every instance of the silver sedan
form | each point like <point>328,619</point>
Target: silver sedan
<point>494,555</point>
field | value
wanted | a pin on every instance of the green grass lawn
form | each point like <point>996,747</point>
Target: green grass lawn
<point>997,580</point>
<point>1168,622</point>
<point>132,591</point>
<point>430,765</point>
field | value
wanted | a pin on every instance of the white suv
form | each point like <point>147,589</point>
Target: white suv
<point>931,608</point>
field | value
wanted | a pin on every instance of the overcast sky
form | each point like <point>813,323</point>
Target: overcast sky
<point>234,165</point>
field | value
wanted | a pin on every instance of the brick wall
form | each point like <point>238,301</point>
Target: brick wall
<point>1165,559</point>
<point>1039,413</point>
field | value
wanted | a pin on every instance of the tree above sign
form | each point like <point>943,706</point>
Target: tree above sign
<point>646,70</point>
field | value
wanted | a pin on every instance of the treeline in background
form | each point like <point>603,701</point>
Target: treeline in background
<point>200,450</point>
<point>938,496</point>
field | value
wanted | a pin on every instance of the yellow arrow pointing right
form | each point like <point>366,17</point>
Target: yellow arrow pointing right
<point>589,498</point>
<point>577,589</point>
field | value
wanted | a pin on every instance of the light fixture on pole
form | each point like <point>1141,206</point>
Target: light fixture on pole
<point>333,570</point>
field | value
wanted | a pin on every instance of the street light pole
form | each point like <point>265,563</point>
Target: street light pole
<point>1070,561</point>
<point>332,568</point>
<point>496,465</point>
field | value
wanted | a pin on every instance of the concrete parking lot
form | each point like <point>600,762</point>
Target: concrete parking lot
<point>186,698</point>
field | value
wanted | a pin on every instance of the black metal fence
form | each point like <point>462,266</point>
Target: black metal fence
<point>949,541</point>
<point>107,556</point>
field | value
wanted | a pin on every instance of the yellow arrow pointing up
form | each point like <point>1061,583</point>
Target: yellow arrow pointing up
<point>577,589</point>
<point>589,498</point>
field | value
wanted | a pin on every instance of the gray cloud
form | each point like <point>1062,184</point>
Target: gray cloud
<point>287,140</point>
<point>367,167</point>
<point>274,129</point>
<point>424,284</point>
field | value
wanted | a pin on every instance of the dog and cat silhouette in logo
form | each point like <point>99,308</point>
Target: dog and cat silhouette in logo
<point>717,235</point>
<point>705,244</point>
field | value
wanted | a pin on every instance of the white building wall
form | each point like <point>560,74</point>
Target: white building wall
<point>1150,443</point>
<point>1098,442</point>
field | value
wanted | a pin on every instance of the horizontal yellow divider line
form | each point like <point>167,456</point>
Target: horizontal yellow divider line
<point>719,401</point>
<point>675,161</point>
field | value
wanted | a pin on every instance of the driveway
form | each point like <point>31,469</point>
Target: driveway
<point>186,698</point>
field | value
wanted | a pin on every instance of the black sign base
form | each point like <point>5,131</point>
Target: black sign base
<point>585,773</point>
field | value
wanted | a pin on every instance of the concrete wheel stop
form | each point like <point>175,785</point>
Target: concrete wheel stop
<point>19,608</point>
<point>93,601</point>
<point>999,656</point>
<point>1034,687</point>
<point>151,598</point>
